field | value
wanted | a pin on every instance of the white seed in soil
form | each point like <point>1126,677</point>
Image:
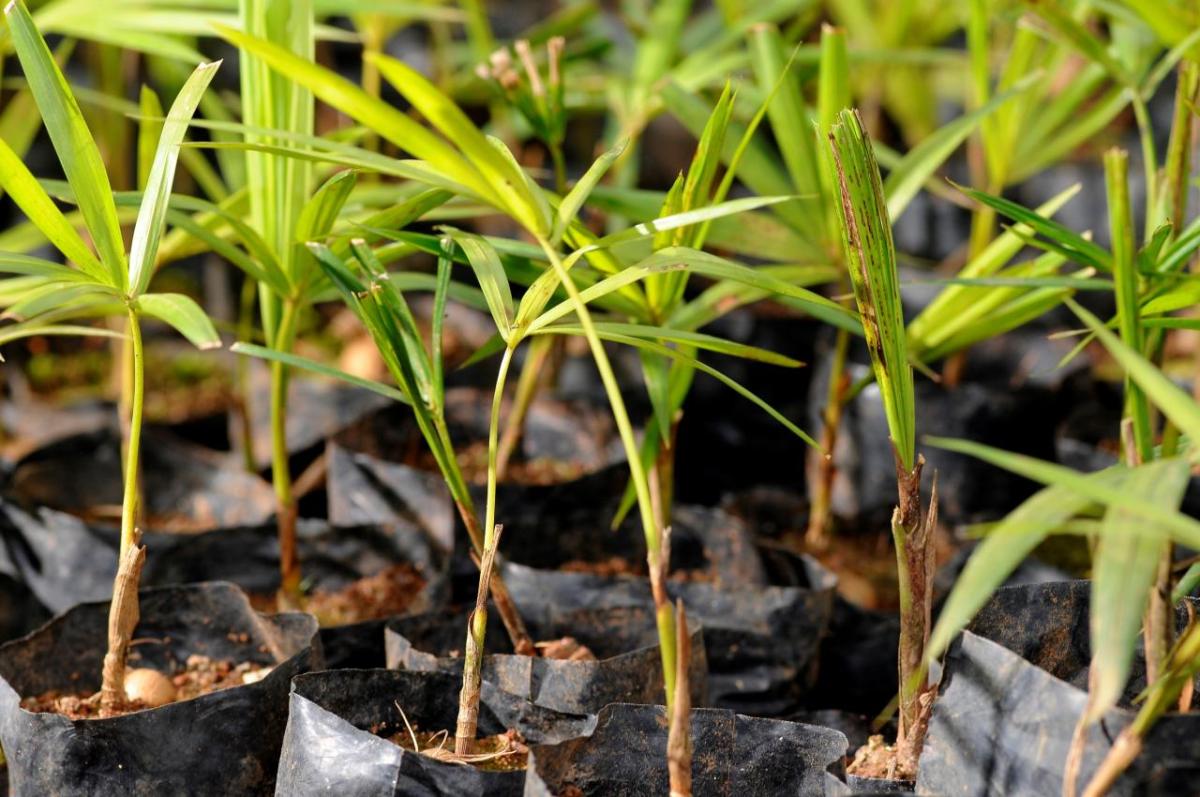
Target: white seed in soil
<point>149,686</point>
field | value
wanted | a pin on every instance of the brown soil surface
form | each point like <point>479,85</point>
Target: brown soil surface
<point>876,759</point>
<point>389,592</point>
<point>541,471</point>
<point>612,566</point>
<point>200,676</point>
<point>180,385</point>
<point>864,561</point>
<point>620,566</point>
<point>504,752</point>
<point>866,566</point>
<point>385,594</point>
<point>564,649</point>
<point>866,570</point>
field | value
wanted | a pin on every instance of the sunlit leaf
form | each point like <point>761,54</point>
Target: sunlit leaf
<point>148,230</point>
<point>182,313</point>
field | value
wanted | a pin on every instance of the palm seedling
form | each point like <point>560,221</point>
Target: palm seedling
<point>988,295</point>
<point>987,298</point>
<point>871,259</point>
<point>284,207</point>
<point>261,206</point>
<point>666,305</point>
<point>540,101</point>
<point>682,225</point>
<point>378,299</point>
<point>1134,586</point>
<point>797,167</point>
<point>48,298</point>
<point>485,172</point>
<point>1138,502</point>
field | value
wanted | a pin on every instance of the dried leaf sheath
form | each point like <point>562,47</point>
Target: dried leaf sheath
<point>122,620</point>
<point>679,742</point>
<point>468,700</point>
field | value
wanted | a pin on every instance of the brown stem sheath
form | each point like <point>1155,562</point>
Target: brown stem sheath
<point>468,699</point>
<point>517,633</point>
<point>915,562</point>
<point>1078,741</point>
<point>679,740</point>
<point>817,535</point>
<point>290,596</point>
<point>1160,618</point>
<point>662,476</point>
<point>1127,748</point>
<point>664,612</point>
<point>122,620</point>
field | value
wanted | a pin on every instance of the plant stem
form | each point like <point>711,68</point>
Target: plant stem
<point>679,743</point>
<point>281,476</point>
<point>1163,696</point>
<point>1178,165</point>
<point>441,39</point>
<point>662,477</point>
<point>242,375</point>
<point>817,536</point>
<point>560,167</point>
<point>1159,623</point>
<point>373,41</point>
<point>123,611</point>
<point>527,385</point>
<point>664,612</point>
<point>521,641</point>
<point>1127,287</point>
<point>1149,163</point>
<point>489,510</point>
<point>122,349</point>
<point>468,699</point>
<point>914,565</point>
<point>137,383</point>
<point>983,225</point>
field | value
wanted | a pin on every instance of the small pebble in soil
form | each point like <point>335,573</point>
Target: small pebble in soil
<point>149,687</point>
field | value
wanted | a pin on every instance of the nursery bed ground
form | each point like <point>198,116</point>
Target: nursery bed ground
<point>200,676</point>
<point>385,594</point>
<point>620,566</point>
<point>534,472</point>
<point>501,752</point>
